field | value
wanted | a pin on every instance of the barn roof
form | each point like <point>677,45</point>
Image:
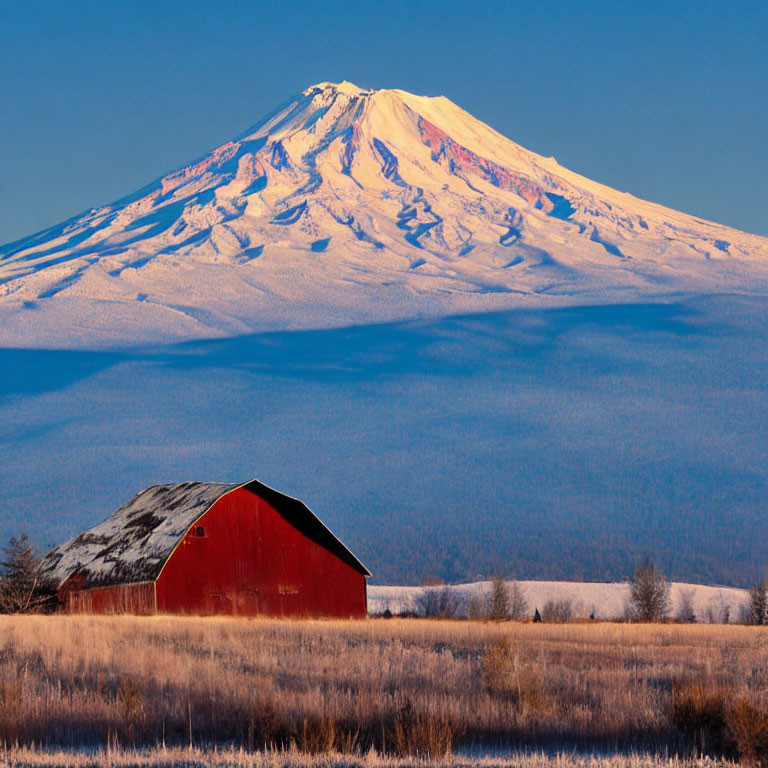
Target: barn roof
<point>134,543</point>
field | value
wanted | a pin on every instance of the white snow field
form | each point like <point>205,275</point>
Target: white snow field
<point>604,600</point>
<point>348,206</point>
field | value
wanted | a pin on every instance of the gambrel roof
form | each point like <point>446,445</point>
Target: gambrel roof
<point>134,543</point>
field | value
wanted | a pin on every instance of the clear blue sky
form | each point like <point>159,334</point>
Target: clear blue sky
<point>667,100</point>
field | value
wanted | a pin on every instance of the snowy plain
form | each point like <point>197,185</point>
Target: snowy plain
<point>598,600</point>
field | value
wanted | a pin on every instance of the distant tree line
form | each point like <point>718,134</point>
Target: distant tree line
<point>505,601</point>
<point>648,601</point>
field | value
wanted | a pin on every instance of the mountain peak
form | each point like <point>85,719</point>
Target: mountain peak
<point>347,205</point>
<point>345,87</point>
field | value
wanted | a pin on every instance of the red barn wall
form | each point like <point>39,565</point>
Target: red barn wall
<point>252,561</point>
<point>137,599</point>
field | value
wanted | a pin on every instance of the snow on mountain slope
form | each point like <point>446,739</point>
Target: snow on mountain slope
<point>348,206</point>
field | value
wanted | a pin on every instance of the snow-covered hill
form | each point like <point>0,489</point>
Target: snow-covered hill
<point>603,600</point>
<point>347,206</point>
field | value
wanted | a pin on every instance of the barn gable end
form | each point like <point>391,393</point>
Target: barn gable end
<point>244,557</point>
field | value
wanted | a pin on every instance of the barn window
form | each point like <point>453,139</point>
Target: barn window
<point>200,531</point>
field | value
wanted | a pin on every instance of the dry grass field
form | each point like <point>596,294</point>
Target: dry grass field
<point>400,687</point>
<point>229,758</point>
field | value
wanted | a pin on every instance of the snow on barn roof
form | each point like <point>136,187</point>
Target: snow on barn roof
<point>134,543</point>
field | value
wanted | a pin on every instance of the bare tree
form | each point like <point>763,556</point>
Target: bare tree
<point>717,610</point>
<point>758,604</point>
<point>475,608</point>
<point>21,590</point>
<point>506,601</point>
<point>557,611</point>
<point>518,605</point>
<point>649,593</point>
<point>498,600</point>
<point>437,602</point>
<point>685,612</point>
<point>448,603</point>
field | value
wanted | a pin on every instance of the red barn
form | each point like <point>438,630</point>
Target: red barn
<point>209,549</point>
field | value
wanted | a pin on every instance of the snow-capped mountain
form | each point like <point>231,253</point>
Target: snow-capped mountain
<point>347,206</point>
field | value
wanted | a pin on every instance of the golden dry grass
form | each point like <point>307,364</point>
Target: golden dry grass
<point>346,685</point>
<point>229,758</point>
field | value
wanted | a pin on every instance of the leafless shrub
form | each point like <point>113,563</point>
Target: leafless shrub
<point>496,667</point>
<point>718,611</point>
<point>266,727</point>
<point>518,605</point>
<point>698,712</point>
<point>476,609</point>
<point>557,611</point>
<point>11,718</point>
<point>507,677</point>
<point>506,601</point>
<point>437,602</point>
<point>130,706</point>
<point>649,594</point>
<point>498,600</point>
<point>748,728</point>
<point>317,735</point>
<point>757,605</point>
<point>685,613</point>
<point>714,722</point>
<point>424,735</point>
